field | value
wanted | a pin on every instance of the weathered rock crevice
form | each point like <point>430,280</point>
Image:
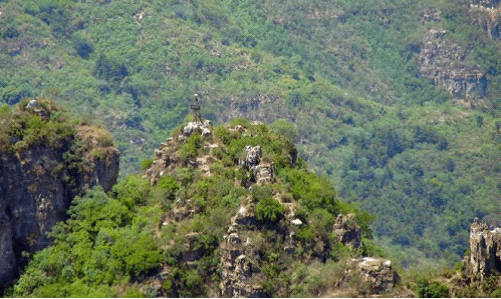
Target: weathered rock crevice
<point>485,3</point>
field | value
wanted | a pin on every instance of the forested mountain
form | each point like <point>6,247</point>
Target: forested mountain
<point>397,102</point>
<point>222,211</point>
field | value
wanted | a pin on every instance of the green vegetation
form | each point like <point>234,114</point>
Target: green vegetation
<point>269,210</point>
<point>346,73</point>
<point>112,244</point>
<point>23,127</point>
<point>42,122</point>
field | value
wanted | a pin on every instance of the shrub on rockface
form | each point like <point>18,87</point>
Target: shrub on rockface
<point>432,289</point>
<point>268,209</point>
<point>105,242</point>
<point>191,146</point>
<point>23,127</point>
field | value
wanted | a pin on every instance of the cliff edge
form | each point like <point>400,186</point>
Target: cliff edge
<point>46,159</point>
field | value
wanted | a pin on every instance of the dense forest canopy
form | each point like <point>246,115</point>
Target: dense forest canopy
<point>346,73</point>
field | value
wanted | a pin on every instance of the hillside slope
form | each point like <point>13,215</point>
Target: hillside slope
<point>397,102</point>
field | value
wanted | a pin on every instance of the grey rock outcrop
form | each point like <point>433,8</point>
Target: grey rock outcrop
<point>443,62</point>
<point>35,106</point>
<point>166,160</point>
<point>240,275</point>
<point>377,272</point>
<point>347,231</point>
<point>36,188</point>
<point>252,155</point>
<point>194,126</point>
<point>263,171</point>
<point>485,251</point>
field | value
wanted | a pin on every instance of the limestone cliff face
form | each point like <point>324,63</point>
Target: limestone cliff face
<point>36,188</point>
<point>443,62</point>
<point>485,248</point>
<point>241,276</point>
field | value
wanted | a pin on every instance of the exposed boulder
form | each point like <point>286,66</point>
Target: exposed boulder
<point>485,251</point>
<point>377,272</point>
<point>443,62</point>
<point>36,107</point>
<point>347,231</point>
<point>252,155</point>
<point>204,128</point>
<point>32,104</point>
<point>263,171</point>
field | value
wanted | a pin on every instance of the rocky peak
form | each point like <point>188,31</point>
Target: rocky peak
<point>168,157</point>
<point>485,251</point>
<point>264,228</point>
<point>202,127</point>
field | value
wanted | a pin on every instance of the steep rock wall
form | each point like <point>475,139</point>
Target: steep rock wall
<point>36,188</point>
<point>485,251</point>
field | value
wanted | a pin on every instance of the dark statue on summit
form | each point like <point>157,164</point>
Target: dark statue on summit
<point>195,109</point>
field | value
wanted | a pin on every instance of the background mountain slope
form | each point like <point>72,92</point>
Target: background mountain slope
<point>414,139</point>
